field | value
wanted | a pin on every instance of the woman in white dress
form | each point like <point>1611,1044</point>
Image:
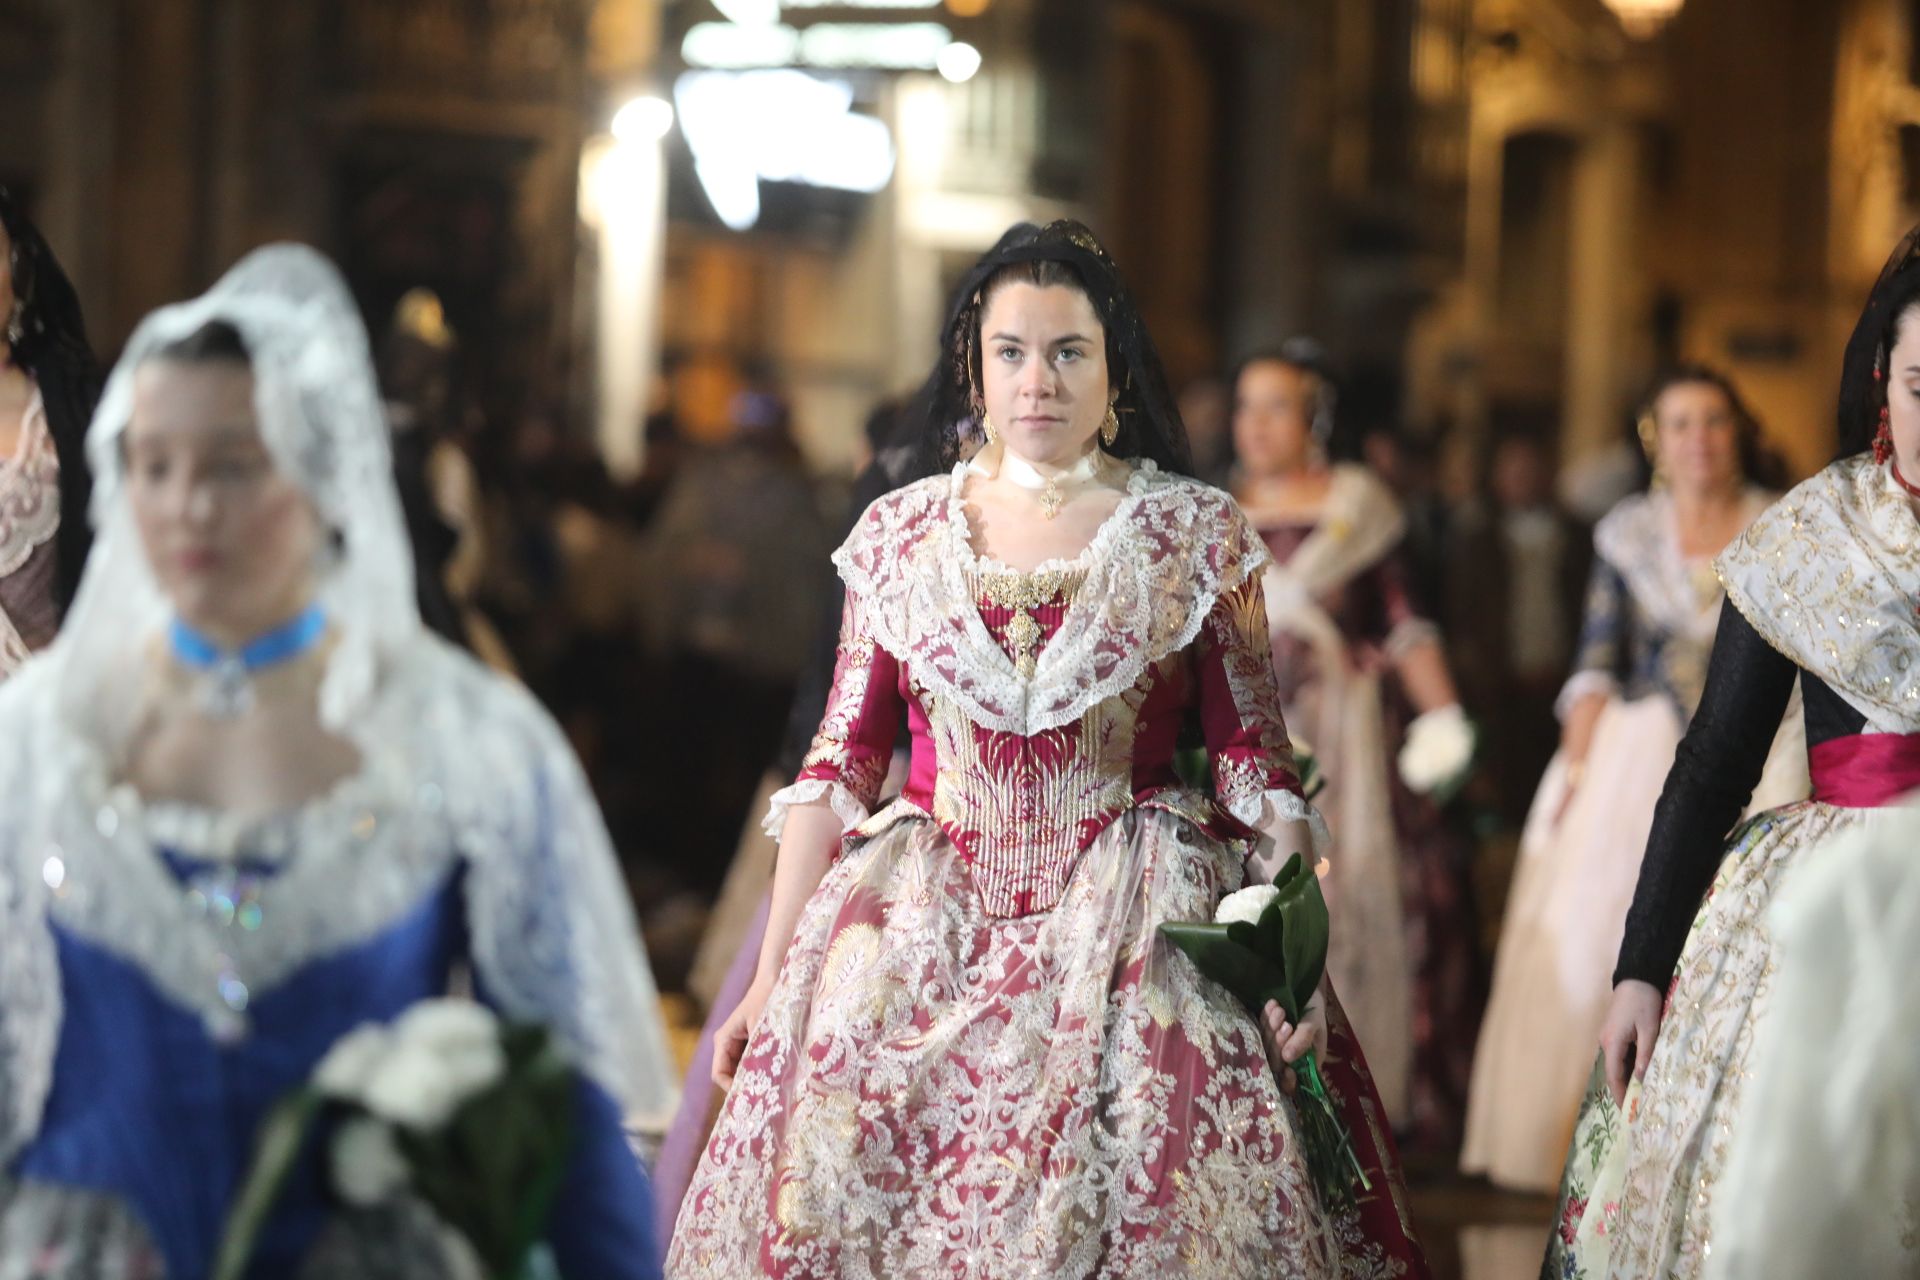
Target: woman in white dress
<point>1652,605</point>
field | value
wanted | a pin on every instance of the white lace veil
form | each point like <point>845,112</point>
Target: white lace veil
<point>321,419</point>
<point>455,752</point>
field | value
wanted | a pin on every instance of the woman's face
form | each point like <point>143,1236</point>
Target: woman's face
<point>1903,393</point>
<point>232,541</point>
<point>1043,370</point>
<point>1273,418</point>
<point>1697,437</point>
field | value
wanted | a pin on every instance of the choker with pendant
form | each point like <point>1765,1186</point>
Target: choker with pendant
<point>1024,474</point>
<point>226,688</point>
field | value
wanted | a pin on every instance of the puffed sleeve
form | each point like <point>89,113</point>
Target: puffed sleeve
<point>847,764</point>
<point>1603,638</point>
<point>1254,773</point>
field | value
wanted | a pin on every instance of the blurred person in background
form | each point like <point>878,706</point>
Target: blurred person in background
<point>733,568</point>
<point>438,488</point>
<point>1409,466</point>
<point>253,805</point>
<point>1820,591</point>
<point>1362,670</point>
<point>1514,615</point>
<point>1008,899</point>
<point>48,385</point>
<point>1652,607</point>
<point>1206,408</point>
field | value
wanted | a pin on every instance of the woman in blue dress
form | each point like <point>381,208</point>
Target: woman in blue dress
<point>253,804</point>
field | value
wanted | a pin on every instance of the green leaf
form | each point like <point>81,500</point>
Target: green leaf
<point>281,1136</point>
<point>1251,977</point>
<point>1307,930</point>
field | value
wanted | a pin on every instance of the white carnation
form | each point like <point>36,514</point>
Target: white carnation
<point>1245,904</point>
<point>344,1072</point>
<point>411,1086</point>
<point>447,1025</point>
<point>367,1165</point>
<point>1438,749</point>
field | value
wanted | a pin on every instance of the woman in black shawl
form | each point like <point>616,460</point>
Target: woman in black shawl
<point>48,385</point>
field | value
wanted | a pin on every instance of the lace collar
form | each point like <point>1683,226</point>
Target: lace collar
<point>29,490</point>
<point>1359,523</point>
<point>1640,538</point>
<point>1830,576</point>
<point>1152,573</point>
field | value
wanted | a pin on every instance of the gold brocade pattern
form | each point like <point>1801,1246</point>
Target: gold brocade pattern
<point>933,1091</point>
<point>1024,593</point>
<point>1826,576</point>
<point>1638,1196</point>
<point>1021,807</point>
<point>1238,629</point>
<point>862,773</point>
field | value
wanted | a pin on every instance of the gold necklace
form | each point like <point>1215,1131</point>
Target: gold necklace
<point>1025,475</point>
<point>1023,593</point>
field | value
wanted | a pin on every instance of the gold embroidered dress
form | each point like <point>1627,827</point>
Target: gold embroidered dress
<point>979,1058</point>
<point>1823,584</point>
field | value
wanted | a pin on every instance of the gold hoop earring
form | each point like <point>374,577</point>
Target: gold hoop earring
<point>987,427</point>
<point>1650,445</point>
<point>1110,429</point>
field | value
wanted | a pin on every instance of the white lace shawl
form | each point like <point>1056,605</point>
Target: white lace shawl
<point>1829,576</point>
<point>1641,542</point>
<point>456,763</point>
<point>461,769</point>
<point>1153,573</point>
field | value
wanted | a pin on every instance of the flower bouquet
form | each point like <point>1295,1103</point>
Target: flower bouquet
<point>1269,942</point>
<point>470,1116</point>
<point>1438,756</point>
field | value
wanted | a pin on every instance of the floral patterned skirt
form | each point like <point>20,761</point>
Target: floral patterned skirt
<point>1637,1197</point>
<point>933,1091</point>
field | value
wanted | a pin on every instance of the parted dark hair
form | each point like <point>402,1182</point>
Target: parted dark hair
<point>945,410</point>
<point>214,340</point>
<point>52,347</point>
<point>1694,373</point>
<point>1870,349</point>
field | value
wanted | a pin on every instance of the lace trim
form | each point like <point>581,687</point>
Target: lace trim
<point>1825,576</point>
<point>29,491</point>
<point>461,770</point>
<point>846,806</point>
<point>1641,541</point>
<point>1410,635</point>
<point>1579,685</point>
<point>1269,809</point>
<point>1153,572</point>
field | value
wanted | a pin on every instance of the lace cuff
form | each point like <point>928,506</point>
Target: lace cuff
<point>1579,685</point>
<point>1410,634</point>
<point>1267,811</point>
<point>846,806</point>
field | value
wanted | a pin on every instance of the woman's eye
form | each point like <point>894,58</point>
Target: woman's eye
<point>232,468</point>
<point>1069,354</point>
<point>1008,353</point>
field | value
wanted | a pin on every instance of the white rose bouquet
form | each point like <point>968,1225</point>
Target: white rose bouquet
<point>446,1104</point>
<point>1269,942</point>
<point>1438,754</point>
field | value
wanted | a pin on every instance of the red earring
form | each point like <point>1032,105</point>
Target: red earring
<point>1883,439</point>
